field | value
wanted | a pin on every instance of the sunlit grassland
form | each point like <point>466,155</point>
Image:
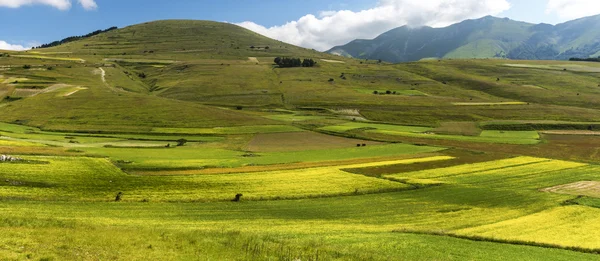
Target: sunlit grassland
<point>120,243</point>
<point>357,125</point>
<point>90,179</point>
<point>570,226</point>
<point>229,130</point>
<point>205,156</point>
<point>164,82</point>
<point>13,143</point>
<point>488,103</point>
<point>563,226</point>
<point>508,137</point>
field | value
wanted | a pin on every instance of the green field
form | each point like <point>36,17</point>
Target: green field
<point>347,160</point>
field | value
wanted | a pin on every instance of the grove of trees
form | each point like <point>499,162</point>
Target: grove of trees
<point>75,38</point>
<point>286,62</point>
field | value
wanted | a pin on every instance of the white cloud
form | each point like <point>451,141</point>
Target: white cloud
<point>12,47</point>
<point>339,27</point>
<point>88,4</point>
<point>59,4</point>
<point>573,9</point>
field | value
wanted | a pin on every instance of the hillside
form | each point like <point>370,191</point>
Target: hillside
<point>180,40</point>
<point>488,37</point>
<point>176,140</point>
<point>135,78</point>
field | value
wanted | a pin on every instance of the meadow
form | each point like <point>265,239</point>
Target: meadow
<point>347,160</point>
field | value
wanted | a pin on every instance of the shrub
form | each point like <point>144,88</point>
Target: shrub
<point>27,67</point>
<point>181,142</point>
<point>237,197</point>
<point>118,197</point>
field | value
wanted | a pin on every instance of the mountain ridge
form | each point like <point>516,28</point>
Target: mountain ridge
<point>486,37</point>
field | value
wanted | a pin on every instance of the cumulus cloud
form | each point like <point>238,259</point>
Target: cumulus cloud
<point>572,9</point>
<point>12,47</point>
<point>88,4</point>
<point>332,28</point>
<point>59,4</point>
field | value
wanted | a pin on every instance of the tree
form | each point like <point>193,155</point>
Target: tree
<point>119,196</point>
<point>294,62</point>
<point>181,142</point>
<point>237,197</point>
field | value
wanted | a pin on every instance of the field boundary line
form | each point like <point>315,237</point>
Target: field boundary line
<point>595,251</point>
<point>472,172</point>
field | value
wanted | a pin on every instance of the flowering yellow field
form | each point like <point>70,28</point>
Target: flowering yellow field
<point>565,226</point>
<point>468,168</point>
<point>92,179</point>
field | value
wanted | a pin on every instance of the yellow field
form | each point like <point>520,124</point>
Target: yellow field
<point>564,226</point>
<point>487,103</point>
<point>50,58</point>
<point>92,179</point>
<point>14,143</point>
<point>465,169</point>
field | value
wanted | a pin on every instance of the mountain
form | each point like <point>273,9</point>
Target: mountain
<point>487,37</point>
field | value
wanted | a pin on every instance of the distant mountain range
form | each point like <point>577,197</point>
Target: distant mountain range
<point>487,37</point>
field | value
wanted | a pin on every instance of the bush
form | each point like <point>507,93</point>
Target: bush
<point>286,62</point>
<point>27,67</point>
<point>181,142</point>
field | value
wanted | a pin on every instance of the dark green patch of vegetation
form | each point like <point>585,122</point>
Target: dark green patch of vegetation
<point>286,62</point>
<point>75,38</point>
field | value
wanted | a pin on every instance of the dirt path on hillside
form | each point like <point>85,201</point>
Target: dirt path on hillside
<point>103,75</point>
<point>332,61</point>
<point>52,88</point>
<point>75,91</point>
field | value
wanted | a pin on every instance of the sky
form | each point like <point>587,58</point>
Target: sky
<point>317,24</point>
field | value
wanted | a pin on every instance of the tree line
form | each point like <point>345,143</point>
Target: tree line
<point>75,38</point>
<point>575,59</point>
<point>286,62</point>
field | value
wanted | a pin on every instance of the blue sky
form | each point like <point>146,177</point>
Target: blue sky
<point>318,24</point>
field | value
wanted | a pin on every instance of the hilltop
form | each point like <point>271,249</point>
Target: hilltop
<point>487,37</point>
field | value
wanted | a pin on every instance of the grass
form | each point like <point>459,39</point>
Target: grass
<point>305,194</point>
<point>42,57</point>
<point>563,226</point>
<point>229,130</point>
<point>354,125</point>
<point>205,156</point>
<point>89,179</point>
<point>487,103</point>
<point>508,137</point>
<point>298,141</point>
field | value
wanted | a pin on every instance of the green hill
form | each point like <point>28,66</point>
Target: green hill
<point>488,37</point>
<point>187,74</point>
<point>181,40</point>
<point>176,140</point>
